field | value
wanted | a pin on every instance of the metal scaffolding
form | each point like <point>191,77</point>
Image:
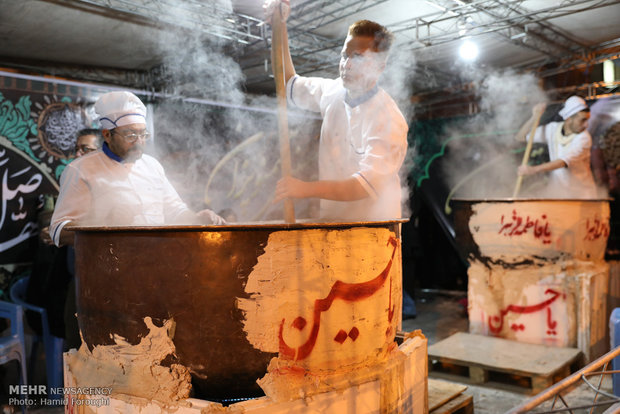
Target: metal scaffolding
<point>558,398</point>
<point>247,38</point>
<point>213,18</point>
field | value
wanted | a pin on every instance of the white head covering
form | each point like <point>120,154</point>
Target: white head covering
<point>572,105</point>
<point>120,108</point>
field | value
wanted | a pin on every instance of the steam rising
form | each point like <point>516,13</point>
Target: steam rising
<point>192,138</point>
<point>482,153</point>
<point>227,157</point>
<point>233,149</point>
<point>505,100</point>
<point>397,80</point>
<point>509,98</point>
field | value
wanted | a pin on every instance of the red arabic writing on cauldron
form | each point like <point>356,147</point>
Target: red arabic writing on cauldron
<point>350,292</point>
<point>551,324</point>
<point>519,226</point>
<point>596,229</point>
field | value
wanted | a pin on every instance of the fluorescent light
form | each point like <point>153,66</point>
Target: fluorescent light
<point>609,72</point>
<point>468,50</point>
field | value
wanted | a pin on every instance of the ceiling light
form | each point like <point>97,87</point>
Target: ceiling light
<point>609,72</point>
<point>468,50</point>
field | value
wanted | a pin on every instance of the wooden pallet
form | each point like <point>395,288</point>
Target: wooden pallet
<point>463,404</point>
<point>447,398</point>
<point>518,366</point>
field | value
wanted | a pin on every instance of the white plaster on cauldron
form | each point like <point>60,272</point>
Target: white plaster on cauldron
<point>541,230</point>
<point>398,385</point>
<point>299,267</point>
<point>134,370</point>
<point>577,318</point>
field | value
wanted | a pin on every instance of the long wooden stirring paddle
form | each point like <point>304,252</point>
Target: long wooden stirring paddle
<point>277,57</point>
<point>526,155</point>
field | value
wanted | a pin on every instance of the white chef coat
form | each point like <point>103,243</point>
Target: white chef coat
<point>98,190</point>
<point>365,138</point>
<point>574,181</point>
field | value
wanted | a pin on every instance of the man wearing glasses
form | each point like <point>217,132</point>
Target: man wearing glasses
<point>119,185</point>
<point>88,140</point>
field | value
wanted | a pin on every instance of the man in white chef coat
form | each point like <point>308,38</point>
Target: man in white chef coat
<point>569,146</point>
<point>119,184</point>
<point>363,136</point>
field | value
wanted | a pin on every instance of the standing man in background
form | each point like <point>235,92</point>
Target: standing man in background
<point>569,150</point>
<point>363,136</point>
<point>88,140</point>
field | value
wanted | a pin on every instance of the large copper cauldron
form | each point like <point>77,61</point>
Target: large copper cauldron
<point>195,275</point>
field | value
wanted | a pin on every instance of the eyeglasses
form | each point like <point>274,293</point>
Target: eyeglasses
<point>131,138</point>
<point>85,149</point>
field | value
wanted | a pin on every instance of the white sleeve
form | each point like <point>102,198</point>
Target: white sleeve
<point>306,93</point>
<point>74,201</point>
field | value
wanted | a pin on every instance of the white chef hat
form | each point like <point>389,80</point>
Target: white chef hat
<point>120,108</point>
<point>572,105</point>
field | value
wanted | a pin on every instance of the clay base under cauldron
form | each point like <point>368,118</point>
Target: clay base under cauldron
<point>398,385</point>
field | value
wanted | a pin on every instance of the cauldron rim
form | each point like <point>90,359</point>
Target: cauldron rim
<point>276,225</point>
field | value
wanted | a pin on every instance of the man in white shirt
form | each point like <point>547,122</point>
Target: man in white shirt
<point>119,185</point>
<point>363,136</point>
<point>569,150</point>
